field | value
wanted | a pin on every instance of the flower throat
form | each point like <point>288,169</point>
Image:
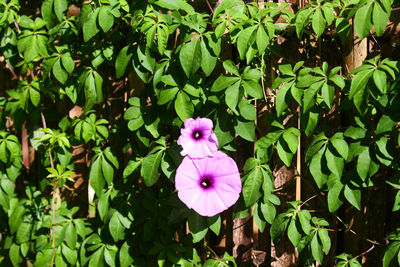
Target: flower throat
<point>197,135</point>
<point>206,182</point>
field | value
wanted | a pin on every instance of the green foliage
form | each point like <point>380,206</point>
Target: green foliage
<point>136,70</point>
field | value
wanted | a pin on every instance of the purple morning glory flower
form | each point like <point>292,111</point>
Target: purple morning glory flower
<point>197,138</point>
<point>208,185</point>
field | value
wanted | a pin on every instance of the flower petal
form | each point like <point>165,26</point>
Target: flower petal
<point>204,124</point>
<point>222,165</point>
<point>190,196</point>
<point>209,204</point>
<point>187,175</point>
<point>225,188</point>
<point>206,146</point>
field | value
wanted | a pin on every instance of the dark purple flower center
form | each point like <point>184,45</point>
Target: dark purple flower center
<point>197,134</point>
<point>206,182</point>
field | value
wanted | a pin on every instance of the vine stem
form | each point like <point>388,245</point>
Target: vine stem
<point>365,252</point>
<point>56,194</point>
<point>262,77</point>
<point>298,163</point>
<point>314,196</point>
<point>212,251</point>
<point>212,10</point>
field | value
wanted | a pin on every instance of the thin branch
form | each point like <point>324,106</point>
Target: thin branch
<point>365,252</point>
<point>262,77</point>
<point>17,26</point>
<point>309,199</point>
<point>212,10</point>
<point>56,194</point>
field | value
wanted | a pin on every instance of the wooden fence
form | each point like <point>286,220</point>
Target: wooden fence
<point>241,237</point>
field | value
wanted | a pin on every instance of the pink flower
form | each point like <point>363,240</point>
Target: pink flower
<point>208,185</point>
<point>197,138</point>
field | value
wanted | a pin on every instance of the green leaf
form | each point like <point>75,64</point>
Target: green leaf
<point>90,25</point>
<point>316,249</point>
<point>309,120</point>
<point>257,216</point>
<point>278,227</point>
<point>59,73</point>
<point>335,164</point>
<point>363,163</point>
<point>47,12</point>
<point>150,170</point>
<point>252,185</point>
<point>341,147</point>
<point>363,20</point>
<point>243,40</point>
<point>208,61</point>
<point>131,167</point>
<point>107,169</point>
<point>96,176</point>
<point>71,236</point>
<point>103,205</point>
<point>24,232</point>
<point>145,58</point>
<point>125,256</point>
<point>318,22</point>
<point>328,92</point>
<point>328,13</point>
<point>262,39</point>
<point>122,61</point>
<point>214,223</point>
<point>380,18</point>
<point>105,18</point>
<point>198,226</point>
<point>391,251</point>
<point>162,38</point>
<point>96,259</point>
<point>191,90</point>
<point>117,230</point>
<point>323,235</point>
<point>67,63</point>
<point>380,80</point>
<point>183,106</point>
<point>223,82</point>
<point>293,233</point>
<point>353,196</point>
<point>338,80</point>
<point>305,218</point>
<point>309,95</point>
<point>396,204</point>
<point>334,201</point>
<point>15,255</point>
<point>16,218</point>
<point>60,7</point>
<point>268,210</point>
<point>245,129</point>
<point>283,98</point>
<point>284,151</point>
<point>292,139</point>
<point>253,89</point>
<point>359,82</point>
<point>3,153</point>
<point>385,124</point>
<point>232,96</point>
<point>320,178</point>
<point>34,95</point>
<point>302,20</point>
<point>230,67</point>
<point>354,132</point>
<point>247,110</point>
<point>71,255</point>
<point>190,57</point>
<point>43,257</point>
